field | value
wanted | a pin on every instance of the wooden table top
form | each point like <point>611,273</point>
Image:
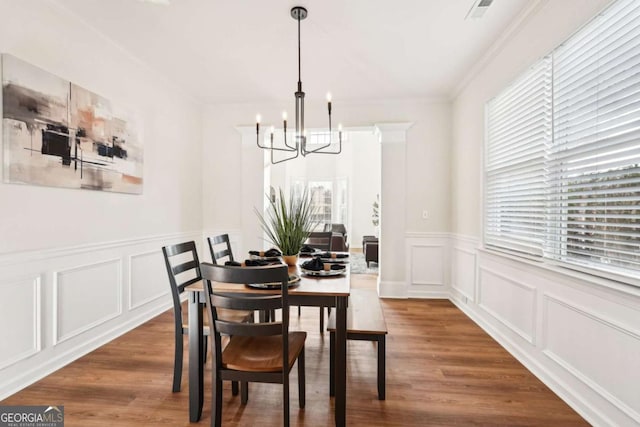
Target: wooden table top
<point>308,285</point>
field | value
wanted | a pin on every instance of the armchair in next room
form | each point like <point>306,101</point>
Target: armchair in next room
<point>339,237</point>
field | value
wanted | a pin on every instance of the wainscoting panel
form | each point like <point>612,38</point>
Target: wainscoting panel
<point>147,278</point>
<point>584,343</point>
<point>463,272</point>
<point>427,265</point>
<point>65,302</point>
<point>86,297</point>
<point>510,301</point>
<point>427,269</point>
<point>20,335</point>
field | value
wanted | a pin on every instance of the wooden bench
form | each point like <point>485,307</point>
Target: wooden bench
<point>365,322</point>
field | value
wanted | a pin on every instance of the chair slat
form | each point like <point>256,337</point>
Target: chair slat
<point>255,302</point>
<point>267,274</point>
<point>249,329</point>
<point>185,266</point>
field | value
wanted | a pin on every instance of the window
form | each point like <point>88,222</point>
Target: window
<point>518,137</point>
<point>321,202</point>
<point>329,199</point>
<point>562,166</point>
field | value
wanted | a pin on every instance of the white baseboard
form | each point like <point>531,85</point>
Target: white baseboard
<point>389,289</point>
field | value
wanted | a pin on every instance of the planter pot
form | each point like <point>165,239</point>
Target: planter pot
<point>290,260</point>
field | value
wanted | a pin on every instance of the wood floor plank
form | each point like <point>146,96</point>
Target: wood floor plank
<point>442,370</point>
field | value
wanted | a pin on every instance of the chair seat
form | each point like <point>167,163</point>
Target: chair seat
<point>261,354</point>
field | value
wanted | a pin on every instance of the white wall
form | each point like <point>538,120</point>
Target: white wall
<point>364,176</point>
<point>424,174</point>
<point>79,267</point>
<point>579,334</point>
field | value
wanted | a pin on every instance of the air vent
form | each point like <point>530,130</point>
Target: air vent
<point>478,9</point>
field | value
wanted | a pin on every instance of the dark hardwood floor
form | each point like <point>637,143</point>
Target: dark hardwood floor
<point>442,370</point>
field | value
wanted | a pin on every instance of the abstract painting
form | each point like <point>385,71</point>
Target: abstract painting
<point>56,133</point>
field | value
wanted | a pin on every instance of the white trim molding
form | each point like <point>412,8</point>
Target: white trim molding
<point>427,264</point>
<point>24,311</point>
<point>149,274</point>
<point>94,297</point>
<point>76,299</point>
<point>392,133</point>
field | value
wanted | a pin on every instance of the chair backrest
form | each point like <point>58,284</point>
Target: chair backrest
<point>220,247</point>
<point>183,268</point>
<point>238,301</point>
<point>320,240</point>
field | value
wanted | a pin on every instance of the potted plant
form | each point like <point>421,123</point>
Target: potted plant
<point>288,223</point>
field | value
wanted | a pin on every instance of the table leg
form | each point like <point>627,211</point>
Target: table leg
<point>196,362</point>
<point>341,361</point>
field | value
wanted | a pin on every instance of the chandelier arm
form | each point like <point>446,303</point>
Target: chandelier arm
<point>266,147</point>
<point>327,152</point>
<point>294,148</point>
<point>258,138</point>
<point>317,150</point>
<point>285,159</point>
<point>280,149</point>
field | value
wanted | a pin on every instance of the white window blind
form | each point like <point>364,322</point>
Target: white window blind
<point>594,160</point>
<point>518,136</point>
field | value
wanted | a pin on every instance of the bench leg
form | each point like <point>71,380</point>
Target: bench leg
<point>381,367</point>
<point>332,363</point>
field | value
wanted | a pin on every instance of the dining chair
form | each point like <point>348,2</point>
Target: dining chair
<point>183,268</point>
<point>255,352</point>
<point>220,249</point>
<point>320,240</point>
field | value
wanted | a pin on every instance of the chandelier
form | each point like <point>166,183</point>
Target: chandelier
<point>299,144</point>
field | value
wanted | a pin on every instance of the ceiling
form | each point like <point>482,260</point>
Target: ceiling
<point>241,51</point>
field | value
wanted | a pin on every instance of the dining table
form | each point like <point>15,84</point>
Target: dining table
<point>311,291</point>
